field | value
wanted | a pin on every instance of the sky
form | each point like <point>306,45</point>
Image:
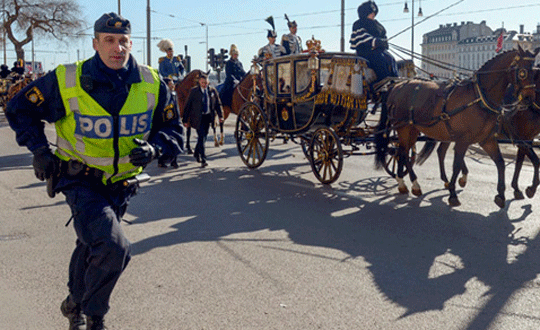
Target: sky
<point>188,23</point>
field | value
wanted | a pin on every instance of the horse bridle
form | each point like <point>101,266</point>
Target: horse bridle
<point>523,74</point>
<point>520,75</point>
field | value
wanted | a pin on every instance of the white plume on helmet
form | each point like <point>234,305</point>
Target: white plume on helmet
<point>165,44</point>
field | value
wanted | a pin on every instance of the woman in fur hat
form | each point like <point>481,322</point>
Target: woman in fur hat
<point>234,73</point>
<point>170,66</point>
<point>369,40</point>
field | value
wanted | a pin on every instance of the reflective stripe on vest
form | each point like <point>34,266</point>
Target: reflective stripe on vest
<point>89,134</point>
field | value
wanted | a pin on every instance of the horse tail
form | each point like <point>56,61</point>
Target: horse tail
<point>381,136</point>
<point>426,151</point>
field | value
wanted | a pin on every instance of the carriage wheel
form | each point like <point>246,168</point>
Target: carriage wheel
<point>326,155</point>
<point>251,135</point>
<point>391,165</point>
<point>304,143</point>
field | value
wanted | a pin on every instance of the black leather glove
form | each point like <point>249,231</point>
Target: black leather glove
<point>45,163</point>
<point>380,43</point>
<point>143,154</point>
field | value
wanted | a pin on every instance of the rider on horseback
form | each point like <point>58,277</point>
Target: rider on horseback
<point>170,66</point>
<point>234,73</point>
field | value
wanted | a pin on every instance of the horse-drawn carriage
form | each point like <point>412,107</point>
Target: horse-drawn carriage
<point>319,100</point>
<point>322,100</point>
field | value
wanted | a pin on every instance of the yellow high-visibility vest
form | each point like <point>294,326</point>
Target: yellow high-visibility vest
<point>92,136</point>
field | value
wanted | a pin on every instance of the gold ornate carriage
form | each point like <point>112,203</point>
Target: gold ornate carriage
<point>317,99</point>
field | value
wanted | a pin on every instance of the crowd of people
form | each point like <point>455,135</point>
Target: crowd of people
<point>113,117</point>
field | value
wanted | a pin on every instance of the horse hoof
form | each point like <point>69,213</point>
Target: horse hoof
<point>417,192</point>
<point>530,191</point>
<point>518,195</point>
<point>462,182</point>
<point>453,201</point>
<point>403,190</point>
<point>499,201</point>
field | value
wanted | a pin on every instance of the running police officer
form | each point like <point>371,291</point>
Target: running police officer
<point>108,115</point>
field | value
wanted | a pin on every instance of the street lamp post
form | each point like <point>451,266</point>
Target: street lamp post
<point>148,36</point>
<point>420,14</point>
<point>342,43</point>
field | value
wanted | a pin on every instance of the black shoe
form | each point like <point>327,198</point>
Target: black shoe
<point>96,323</point>
<point>204,163</point>
<point>74,314</point>
<point>189,151</point>
<point>174,164</point>
<point>163,165</point>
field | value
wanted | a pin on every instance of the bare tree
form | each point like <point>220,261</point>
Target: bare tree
<point>26,19</point>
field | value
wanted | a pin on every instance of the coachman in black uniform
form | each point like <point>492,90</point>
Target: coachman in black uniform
<point>369,40</point>
<point>105,138</point>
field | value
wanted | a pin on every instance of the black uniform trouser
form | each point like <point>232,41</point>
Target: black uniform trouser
<point>382,63</point>
<point>102,251</point>
<point>202,134</point>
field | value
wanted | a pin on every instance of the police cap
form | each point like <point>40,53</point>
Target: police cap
<point>112,23</point>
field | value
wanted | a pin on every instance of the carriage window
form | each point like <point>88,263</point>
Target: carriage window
<point>284,78</point>
<point>324,71</point>
<point>270,74</point>
<point>303,76</point>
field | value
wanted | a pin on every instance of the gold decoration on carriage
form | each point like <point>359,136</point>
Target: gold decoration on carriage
<point>285,114</point>
<point>345,85</point>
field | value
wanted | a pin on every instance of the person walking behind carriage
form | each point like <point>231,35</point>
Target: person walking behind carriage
<point>201,107</point>
<point>291,42</point>
<point>108,113</point>
<point>170,66</point>
<point>174,129</point>
<point>369,40</point>
<point>272,50</point>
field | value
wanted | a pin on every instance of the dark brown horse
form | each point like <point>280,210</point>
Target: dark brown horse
<point>466,112</point>
<point>246,91</point>
<point>521,127</point>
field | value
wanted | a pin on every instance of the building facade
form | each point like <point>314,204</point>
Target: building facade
<point>458,50</point>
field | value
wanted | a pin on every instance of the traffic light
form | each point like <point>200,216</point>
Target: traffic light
<point>224,56</point>
<point>212,57</point>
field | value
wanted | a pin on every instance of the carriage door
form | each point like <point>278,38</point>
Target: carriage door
<point>284,106</point>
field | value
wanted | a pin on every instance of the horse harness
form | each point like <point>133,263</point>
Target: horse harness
<point>446,114</point>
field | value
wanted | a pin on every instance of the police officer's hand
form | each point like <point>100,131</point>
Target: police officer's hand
<point>380,43</point>
<point>143,154</point>
<point>45,163</point>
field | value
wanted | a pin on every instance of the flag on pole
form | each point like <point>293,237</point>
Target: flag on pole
<point>500,40</point>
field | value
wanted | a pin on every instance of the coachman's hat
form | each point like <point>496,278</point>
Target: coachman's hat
<point>367,8</point>
<point>112,23</point>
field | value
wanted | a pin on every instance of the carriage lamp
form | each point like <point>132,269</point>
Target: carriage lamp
<point>255,69</point>
<point>313,62</point>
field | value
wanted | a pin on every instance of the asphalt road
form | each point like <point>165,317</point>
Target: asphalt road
<point>226,247</point>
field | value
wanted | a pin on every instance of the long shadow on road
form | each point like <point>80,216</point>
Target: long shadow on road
<point>420,256</point>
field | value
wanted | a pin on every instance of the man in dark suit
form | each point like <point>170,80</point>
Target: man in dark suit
<point>201,107</point>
